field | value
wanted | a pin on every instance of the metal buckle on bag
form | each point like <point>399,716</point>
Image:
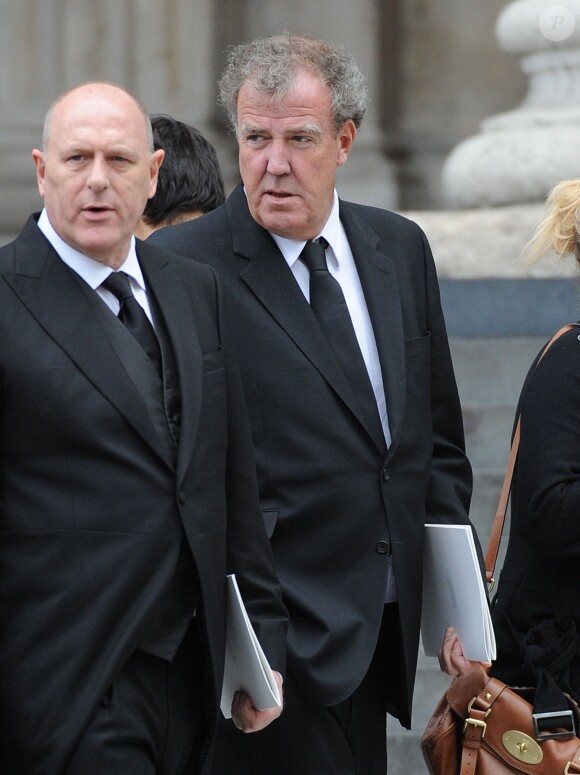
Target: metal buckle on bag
<point>563,718</point>
<point>474,722</point>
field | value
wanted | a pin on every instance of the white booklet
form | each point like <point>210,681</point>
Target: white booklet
<point>454,593</point>
<point>246,666</point>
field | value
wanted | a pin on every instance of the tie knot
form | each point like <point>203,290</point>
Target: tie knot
<point>314,255</point>
<point>118,284</point>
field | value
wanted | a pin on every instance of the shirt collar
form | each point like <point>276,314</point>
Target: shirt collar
<point>92,271</point>
<point>291,249</point>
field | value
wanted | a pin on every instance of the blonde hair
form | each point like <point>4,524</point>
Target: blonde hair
<point>559,229</point>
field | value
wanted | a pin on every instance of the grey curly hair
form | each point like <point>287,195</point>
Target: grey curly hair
<point>271,64</point>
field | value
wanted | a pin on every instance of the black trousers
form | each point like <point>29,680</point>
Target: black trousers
<point>150,721</point>
<point>345,739</point>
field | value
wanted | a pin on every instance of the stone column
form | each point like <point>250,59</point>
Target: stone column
<point>159,51</point>
<point>519,155</point>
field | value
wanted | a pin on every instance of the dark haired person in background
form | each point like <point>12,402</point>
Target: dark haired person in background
<point>190,180</point>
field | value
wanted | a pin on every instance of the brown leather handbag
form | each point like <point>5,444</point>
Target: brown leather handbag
<point>481,726</point>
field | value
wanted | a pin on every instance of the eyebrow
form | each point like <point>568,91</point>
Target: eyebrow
<point>119,150</point>
<point>313,129</point>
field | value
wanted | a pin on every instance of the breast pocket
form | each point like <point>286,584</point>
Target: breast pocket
<point>418,386</point>
<point>214,403</point>
<point>213,361</point>
<point>270,517</point>
<point>419,347</point>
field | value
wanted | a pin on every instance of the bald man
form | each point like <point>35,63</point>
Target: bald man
<point>128,483</point>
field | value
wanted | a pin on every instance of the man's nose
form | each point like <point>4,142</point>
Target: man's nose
<point>278,160</point>
<point>98,178</point>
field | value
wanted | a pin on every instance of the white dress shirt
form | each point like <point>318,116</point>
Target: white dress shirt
<point>94,272</point>
<point>342,267</point>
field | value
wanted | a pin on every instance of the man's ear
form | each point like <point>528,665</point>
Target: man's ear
<point>38,159</point>
<point>156,162</point>
<point>345,141</point>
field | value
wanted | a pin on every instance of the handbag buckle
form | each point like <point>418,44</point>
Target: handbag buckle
<point>474,722</point>
<point>563,718</point>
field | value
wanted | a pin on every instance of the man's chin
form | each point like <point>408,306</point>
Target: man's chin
<point>285,223</point>
<point>101,246</point>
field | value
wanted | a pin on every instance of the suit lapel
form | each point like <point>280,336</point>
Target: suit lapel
<point>269,277</point>
<point>381,290</point>
<point>58,299</point>
<point>167,284</point>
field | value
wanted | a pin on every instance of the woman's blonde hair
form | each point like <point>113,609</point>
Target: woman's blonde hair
<point>559,229</point>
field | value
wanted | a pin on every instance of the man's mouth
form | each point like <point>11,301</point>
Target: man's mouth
<point>279,194</point>
<point>97,213</point>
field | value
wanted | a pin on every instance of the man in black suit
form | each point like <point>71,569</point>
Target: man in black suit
<point>128,485</point>
<point>353,459</point>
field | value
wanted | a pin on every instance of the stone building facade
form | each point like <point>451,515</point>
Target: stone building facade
<point>434,69</point>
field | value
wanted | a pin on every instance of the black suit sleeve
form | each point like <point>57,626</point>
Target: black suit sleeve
<point>249,553</point>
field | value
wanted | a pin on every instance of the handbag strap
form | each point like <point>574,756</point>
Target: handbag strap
<point>478,709</point>
<point>500,514</point>
<point>474,726</point>
<point>470,745</point>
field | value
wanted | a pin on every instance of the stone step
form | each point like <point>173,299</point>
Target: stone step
<point>492,370</point>
<point>488,429</point>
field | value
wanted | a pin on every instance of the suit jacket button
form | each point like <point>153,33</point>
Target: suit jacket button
<point>182,498</point>
<point>382,547</point>
<point>385,475</point>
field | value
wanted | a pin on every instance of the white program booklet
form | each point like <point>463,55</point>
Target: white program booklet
<point>454,593</point>
<point>246,666</point>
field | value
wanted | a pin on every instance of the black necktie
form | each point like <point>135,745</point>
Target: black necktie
<point>329,305</point>
<point>133,316</point>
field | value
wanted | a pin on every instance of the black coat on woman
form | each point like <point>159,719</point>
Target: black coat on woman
<point>536,611</point>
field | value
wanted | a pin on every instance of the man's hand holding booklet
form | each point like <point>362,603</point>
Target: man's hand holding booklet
<point>247,673</point>
<point>454,594</point>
